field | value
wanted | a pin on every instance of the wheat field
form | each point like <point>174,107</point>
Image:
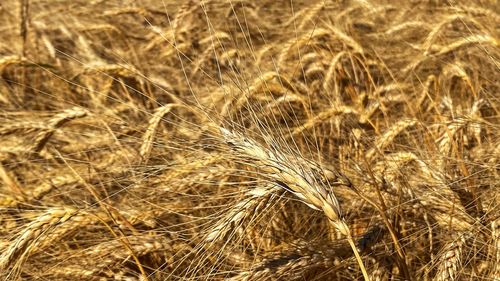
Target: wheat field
<point>249,140</point>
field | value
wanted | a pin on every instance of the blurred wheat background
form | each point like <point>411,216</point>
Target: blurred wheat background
<point>249,140</point>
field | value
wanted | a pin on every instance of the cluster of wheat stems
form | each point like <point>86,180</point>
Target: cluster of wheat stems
<point>249,140</point>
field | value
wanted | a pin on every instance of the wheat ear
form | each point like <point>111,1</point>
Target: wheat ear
<point>19,249</point>
<point>295,178</point>
<point>256,199</point>
<point>451,260</point>
<point>110,254</point>
<point>148,137</point>
<point>54,123</point>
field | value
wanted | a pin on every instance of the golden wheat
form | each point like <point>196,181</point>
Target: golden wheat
<point>240,140</point>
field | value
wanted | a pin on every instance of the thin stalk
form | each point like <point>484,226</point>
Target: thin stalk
<point>357,255</point>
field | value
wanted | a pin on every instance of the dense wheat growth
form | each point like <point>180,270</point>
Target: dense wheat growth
<point>249,140</point>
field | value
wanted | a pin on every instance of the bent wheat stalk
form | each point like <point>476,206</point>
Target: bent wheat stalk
<point>297,179</point>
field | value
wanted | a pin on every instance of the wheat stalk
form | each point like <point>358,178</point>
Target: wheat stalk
<point>495,249</point>
<point>296,179</point>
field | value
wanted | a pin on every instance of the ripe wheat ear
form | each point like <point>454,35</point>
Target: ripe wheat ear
<point>296,178</point>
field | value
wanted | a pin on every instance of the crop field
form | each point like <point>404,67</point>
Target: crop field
<point>249,140</point>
